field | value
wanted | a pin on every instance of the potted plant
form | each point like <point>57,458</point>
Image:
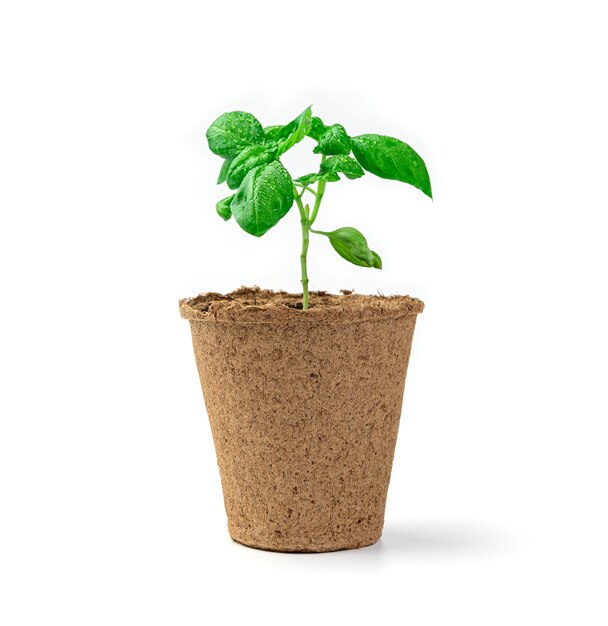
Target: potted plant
<point>303,392</point>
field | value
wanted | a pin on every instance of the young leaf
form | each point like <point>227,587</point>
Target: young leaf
<point>342,164</point>
<point>223,208</point>
<point>351,245</point>
<point>224,171</point>
<point>250,157</point>
<point>264,197</point>
<point>329,170</point>
<point>391,158</point>
<point>317,128</point>
<point>333,141</point>
<point>294,132</point>
<point>311,179</point>
<point>231,132</point>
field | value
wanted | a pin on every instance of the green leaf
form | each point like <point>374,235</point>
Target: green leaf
<point>391,158</point>
<point>317,128</point>
<point>311,179</point>
<point>264,197</point>
<point>271,132</point>
<point>377,260</point>
<point>351,245</point>
<point>224,171</point>
<point>342,164</point>
<point>223,208</point>
<point>232,132</point>
<point>294,132</point>
<point>329,170</point>
<point>333,141</point>
<point>250,157</point>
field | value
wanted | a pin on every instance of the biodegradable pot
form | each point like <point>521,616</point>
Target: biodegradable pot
<point>304,409</point>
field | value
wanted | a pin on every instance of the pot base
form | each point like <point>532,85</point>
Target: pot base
<point>306,549</point>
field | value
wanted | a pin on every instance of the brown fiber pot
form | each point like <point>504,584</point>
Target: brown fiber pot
<point>304,408</point>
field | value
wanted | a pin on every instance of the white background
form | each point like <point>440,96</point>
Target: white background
<point>110,501</point>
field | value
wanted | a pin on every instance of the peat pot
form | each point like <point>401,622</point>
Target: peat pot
<point>304,409</point>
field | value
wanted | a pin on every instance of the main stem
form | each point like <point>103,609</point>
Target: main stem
<point>307,219</point>
<point>303,255</point>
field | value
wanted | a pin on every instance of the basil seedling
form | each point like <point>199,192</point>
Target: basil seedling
<point>265,191</point>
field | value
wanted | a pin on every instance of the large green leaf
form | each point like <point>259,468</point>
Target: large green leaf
<point>333,141</point>
<point>351,245</point>
<point>391,158</point>
<point>250,157</point>
<point>264,197</point>
<point>232,132</point>
<point>293,132</point>
<point>223,208</point>
<point>342,164</point>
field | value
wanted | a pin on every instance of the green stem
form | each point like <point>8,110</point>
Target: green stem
<point>320,191</point>
<point>307,220</point>
<point>303,255</point>
<point>305,188</point>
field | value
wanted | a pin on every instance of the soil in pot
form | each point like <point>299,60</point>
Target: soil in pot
<point>304,409</point>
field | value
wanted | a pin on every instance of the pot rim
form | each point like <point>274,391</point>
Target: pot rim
<point>280,307</point>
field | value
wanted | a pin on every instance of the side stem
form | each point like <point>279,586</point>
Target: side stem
<point>319,196</point>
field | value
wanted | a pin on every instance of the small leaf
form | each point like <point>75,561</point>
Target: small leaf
<point>232,132</point>
<point>311,179</point>
<point>317,128</point>
<point>264,197</point>
<point>294,132</point>
<point>223,208</point>
<point>333,141</point>
<point>329,170</point>
<point>391,158</point>
<point>250,157</point>
<point>342,164</point>
<point>351,245</point>
<point>224,171</point>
